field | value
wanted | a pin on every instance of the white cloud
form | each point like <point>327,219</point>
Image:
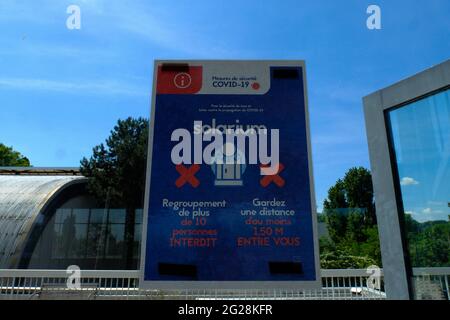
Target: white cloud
<point>436,203</point>
<point>167,29</point>
<point>169,35</point>
<point>408,181</point>
<point>432,211</point>
<point>153,23</point>
<point>427,214</point>
<point>107,87</point>
<point>56,50</point>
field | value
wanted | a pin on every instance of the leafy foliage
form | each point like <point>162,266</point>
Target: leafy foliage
<point>116,172</point>
<point>428,242</point>
<point>351,221</point>
<point>11,158</point>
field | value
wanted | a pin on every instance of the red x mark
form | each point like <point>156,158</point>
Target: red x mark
<point>279,181</point>
<point>187,175</point>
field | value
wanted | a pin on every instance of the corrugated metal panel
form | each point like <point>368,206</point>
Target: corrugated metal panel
<point>21,200</point>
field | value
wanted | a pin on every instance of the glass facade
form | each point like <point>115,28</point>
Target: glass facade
<point>420,140</point>
<point>90,238</point>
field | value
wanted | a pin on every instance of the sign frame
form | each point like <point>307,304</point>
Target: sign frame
<point>236,285</point>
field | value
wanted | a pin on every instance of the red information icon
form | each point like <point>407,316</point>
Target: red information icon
<point>179,80</point>
<point>182,80</point>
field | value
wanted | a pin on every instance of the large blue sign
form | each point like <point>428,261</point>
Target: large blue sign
<point>229,198</point>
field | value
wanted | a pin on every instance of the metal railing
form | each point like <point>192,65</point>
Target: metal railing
<point>431,283</point>
<point>337,284</point>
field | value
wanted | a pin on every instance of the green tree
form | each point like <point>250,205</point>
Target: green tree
<point>11,158</point>
<point>428,242</point>
<point>336,222</point>
<point>116,172</point>
<point>349,206</point>
<point>359,192</point>
<point>355,226</point>
<point>351,221</point>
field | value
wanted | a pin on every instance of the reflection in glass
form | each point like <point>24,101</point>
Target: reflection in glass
<point>89,238</point>
<point>420,134</point>
<point>115,240</point>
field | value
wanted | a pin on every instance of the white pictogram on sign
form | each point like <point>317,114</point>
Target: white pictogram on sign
<point>182,80</point>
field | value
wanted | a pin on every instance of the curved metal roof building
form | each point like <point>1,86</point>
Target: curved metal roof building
<point>24,201</point>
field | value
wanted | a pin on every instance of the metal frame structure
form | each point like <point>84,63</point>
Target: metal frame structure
<point>389,207</point>
<point>24,199</point>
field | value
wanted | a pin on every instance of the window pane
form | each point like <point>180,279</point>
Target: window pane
<point>117,215</point>
<point>115,241</point>
<point>137,240</point>
<point>62,215</point>
<point>96,241</point>
<point>57,248</point>
<point>138,217</point>
<point>78,245</point>
<point>421,139</point>
<point>59,215</point>
<point>98,215</point>
<point>81,215</point>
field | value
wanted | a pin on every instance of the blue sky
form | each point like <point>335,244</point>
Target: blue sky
<point>61,91</point>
